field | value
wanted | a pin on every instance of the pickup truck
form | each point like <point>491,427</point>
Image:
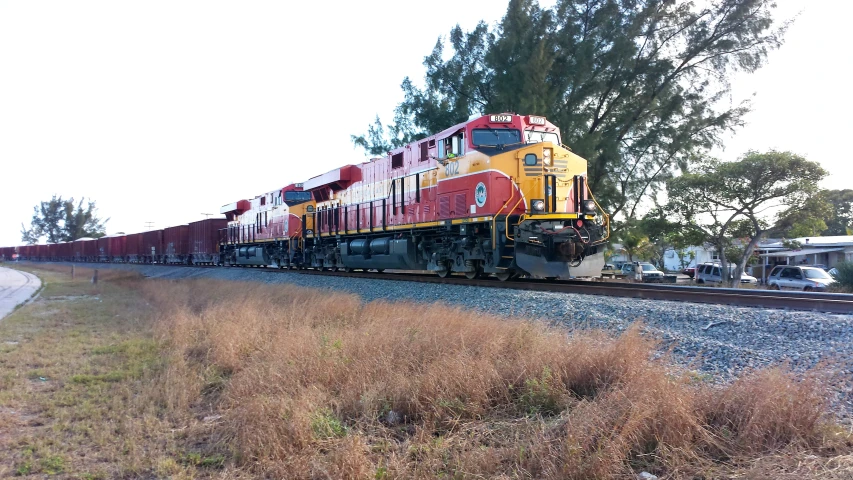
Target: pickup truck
<point>650,272</point>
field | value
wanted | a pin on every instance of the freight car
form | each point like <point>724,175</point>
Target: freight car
<point>204,240</point>
<point>176,245</point>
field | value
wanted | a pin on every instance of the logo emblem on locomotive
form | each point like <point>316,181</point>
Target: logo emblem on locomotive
<point>480,194</point>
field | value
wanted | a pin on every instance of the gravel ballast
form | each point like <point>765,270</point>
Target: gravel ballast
<point>719,340</point>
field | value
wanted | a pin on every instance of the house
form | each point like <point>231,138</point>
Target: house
<point>671,261</point>
<point>825,251</point>
<point>693,256</point>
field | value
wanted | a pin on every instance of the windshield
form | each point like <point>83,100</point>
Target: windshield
<point>293,197</point>
<point>536,137</point>
<point>648,267</point>
<point>497,136</point>
<point>815,273</point>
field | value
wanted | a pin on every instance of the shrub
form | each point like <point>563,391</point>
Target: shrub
<point>844,277</point>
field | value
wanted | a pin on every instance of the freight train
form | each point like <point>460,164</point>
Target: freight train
<point>497,195</point>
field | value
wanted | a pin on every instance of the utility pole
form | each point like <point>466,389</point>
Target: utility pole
<point>149,225</point>
<point>207,215</point>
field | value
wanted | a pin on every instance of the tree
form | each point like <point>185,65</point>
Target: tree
<point>636,86</point>
<point>841,220</point>
<point>666,234</point>
<point>731,200</point>
<point>636,244</point>
<point>806,220</point>
<point>59,220</point>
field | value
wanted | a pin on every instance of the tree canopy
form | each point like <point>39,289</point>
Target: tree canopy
<point>638,87</point>
<point>723,201</point>
<point>59,220</point>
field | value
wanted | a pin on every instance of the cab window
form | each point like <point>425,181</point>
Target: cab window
<point>533,136</point>
<point>495,136</point>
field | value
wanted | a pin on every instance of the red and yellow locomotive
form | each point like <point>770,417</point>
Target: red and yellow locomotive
<point>496,195</point>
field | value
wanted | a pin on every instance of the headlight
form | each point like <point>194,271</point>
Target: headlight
<point>546,156</point>
<point>539,205</point>
<point>589,206</point>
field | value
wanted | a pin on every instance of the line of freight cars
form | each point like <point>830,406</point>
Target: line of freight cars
<point>196,243</point>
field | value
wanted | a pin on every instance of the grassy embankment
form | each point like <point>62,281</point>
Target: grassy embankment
<point>200,378</point>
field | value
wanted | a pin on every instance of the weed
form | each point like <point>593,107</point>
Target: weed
<point>53,464</point>
<point>325,425</point>
<point>25,468</point>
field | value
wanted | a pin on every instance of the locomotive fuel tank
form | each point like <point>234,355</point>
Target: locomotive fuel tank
<point>252,256</point>
<point>384,252</point>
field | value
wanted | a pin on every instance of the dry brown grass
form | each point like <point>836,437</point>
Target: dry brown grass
<point>317,385</point>
<point>200,379</point>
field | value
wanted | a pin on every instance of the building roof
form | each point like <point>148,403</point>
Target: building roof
<point>813,242</point>
<point>795,253</point>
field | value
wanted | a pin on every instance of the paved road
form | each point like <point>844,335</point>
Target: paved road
<point>15,287</point>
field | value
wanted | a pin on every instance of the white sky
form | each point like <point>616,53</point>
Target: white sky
<point>164,110</point>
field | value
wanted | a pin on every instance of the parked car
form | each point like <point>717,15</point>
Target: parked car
<point>712,273</point>
<point>787,277</point>
<point>650,272</point>
<point>689,271</point>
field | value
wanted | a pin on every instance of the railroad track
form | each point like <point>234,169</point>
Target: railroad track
<point>807,301</point>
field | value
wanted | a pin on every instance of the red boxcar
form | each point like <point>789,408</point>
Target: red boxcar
<point>104,252</point>
<point>50,251</point>
<point>152,246</point>
<point>64,251</point>
<point>204,240</point>
<point>118,248</point>
<point>90,250</point>
<point>133,248</point>
<point>176,244</point>
<point>84,250</point>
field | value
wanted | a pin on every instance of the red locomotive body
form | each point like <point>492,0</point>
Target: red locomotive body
<point>204,240</point>
<point>176,244</point>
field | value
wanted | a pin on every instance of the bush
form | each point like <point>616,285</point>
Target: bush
<point>844,277</point>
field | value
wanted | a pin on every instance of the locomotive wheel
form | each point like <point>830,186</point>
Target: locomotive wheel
<point>347,270</point>
<point>380,270</point>
<point>472,275</point>
<point>504,276</point>
<point>443,273</point>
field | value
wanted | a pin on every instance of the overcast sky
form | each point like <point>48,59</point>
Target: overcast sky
<point>164,110</point>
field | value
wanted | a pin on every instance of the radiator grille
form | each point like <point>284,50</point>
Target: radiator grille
<point>444,206</point>
<point>461,204</point>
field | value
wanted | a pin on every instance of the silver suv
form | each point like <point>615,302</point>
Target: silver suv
<point>712,273</point>
<point>799,278</point>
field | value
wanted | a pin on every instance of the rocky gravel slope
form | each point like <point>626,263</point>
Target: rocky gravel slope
<point>717,339</point>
